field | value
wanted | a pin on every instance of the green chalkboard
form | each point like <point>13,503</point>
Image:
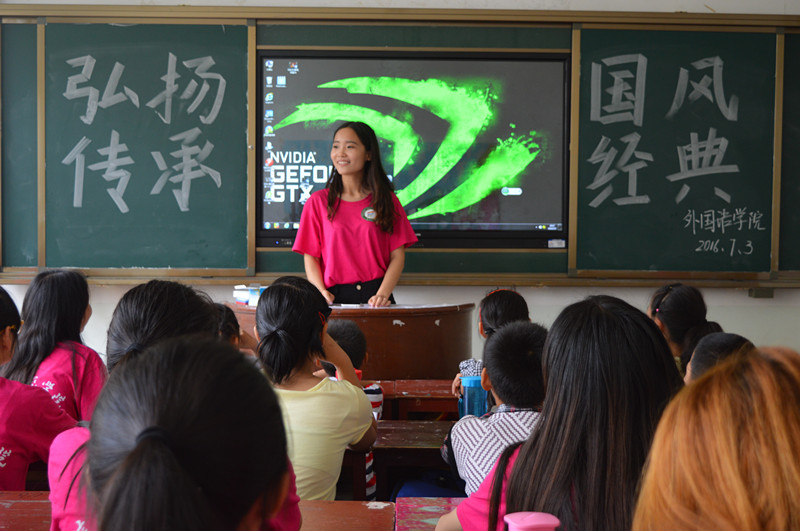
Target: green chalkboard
<point>146,146</point>
<point>19,145</point>
<point>675,166</point>
<point>790,181</point>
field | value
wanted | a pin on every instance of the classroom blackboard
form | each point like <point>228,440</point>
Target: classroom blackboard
<point>675,169</point>
<point>146,146</point>
<point>790,163</point>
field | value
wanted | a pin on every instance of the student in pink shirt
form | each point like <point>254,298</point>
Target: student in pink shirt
<point>28,418</point>
<point>50,353</point>
<point>353,234</point>
<point>186,435</point>
<point>146,314</point>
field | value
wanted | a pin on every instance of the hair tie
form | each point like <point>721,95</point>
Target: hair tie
<point>321,318</point>
<point>135,347</point>
<point>155,432</point>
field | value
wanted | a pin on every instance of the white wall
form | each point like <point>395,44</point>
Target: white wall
<point>763,321</point>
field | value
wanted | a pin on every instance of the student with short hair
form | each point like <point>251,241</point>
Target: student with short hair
<point>725,454</point>
<point>186,435</point>
<point>512,372</point>
<point>349,336</point>
<point>322,417</point>
<point>49,352</point>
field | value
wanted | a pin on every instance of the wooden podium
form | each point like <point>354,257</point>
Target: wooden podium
<point>404,342</point>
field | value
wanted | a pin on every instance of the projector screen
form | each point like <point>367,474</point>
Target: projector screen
<point>475,145</point>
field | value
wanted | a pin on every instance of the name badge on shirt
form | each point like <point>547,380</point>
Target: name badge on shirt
<point>369,214</point>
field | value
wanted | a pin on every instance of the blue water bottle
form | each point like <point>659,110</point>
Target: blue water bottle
<point>473,398</point>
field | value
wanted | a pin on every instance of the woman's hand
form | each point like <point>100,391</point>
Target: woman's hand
<point>378,300</point>
<point>328,296</point>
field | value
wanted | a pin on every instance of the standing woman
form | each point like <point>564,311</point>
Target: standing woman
<point>50,353</point>
<point>354,233</point>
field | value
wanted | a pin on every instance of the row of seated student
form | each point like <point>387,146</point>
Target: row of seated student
<point>582,461</point>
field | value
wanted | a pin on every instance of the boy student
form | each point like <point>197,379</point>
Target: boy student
<point>512,372</point>
<point>350,337</point>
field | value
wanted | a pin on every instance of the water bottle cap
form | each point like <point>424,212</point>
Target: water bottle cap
<point>471,381</point>
<point>530,521</point>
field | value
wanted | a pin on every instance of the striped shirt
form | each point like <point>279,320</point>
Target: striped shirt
<point>478,442</point>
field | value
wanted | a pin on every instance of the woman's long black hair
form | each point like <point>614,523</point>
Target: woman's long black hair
<point>52,312</point>
<point>608,375</point>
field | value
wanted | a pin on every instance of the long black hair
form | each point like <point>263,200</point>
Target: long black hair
<point>608,375</point>
<point>682,310</point>
<point>187,435</point>
<point>375,179</point>
<point>290,317</point>
<point>52,312</point>
<point>153,311</point>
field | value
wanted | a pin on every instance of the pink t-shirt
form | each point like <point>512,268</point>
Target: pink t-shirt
<point>68,500</point>
<point>352,247</point>
<point>75,395</point>
<point>288,518</point>
<point>28,423</point>
<point>473,513</point>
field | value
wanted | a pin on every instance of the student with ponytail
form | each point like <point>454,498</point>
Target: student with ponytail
<point>680,313</point>
<point>187,435</point>
<point>323,417</point>
<point>146,314</point>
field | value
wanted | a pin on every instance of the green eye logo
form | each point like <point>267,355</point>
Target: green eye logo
<point>469,109</point>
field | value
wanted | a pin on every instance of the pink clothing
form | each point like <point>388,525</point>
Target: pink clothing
<point>288,518</point>
<point>28,423</point>
<point>68,501</point>
<point>473,513</point>
<point>75,391</point>
<point>352,248</point>
<point>67,497</point>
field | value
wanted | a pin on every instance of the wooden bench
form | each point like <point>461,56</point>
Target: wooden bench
<point>401,444</point>
<point>401,398</point>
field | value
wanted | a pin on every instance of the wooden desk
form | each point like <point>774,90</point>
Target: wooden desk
<point>422,514</point>
<point>30,511</point>
<point>404,341</point>
<point>401,444</point>
<point>25,510</point>
<point>403,397</point>
<point>347,515</point>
